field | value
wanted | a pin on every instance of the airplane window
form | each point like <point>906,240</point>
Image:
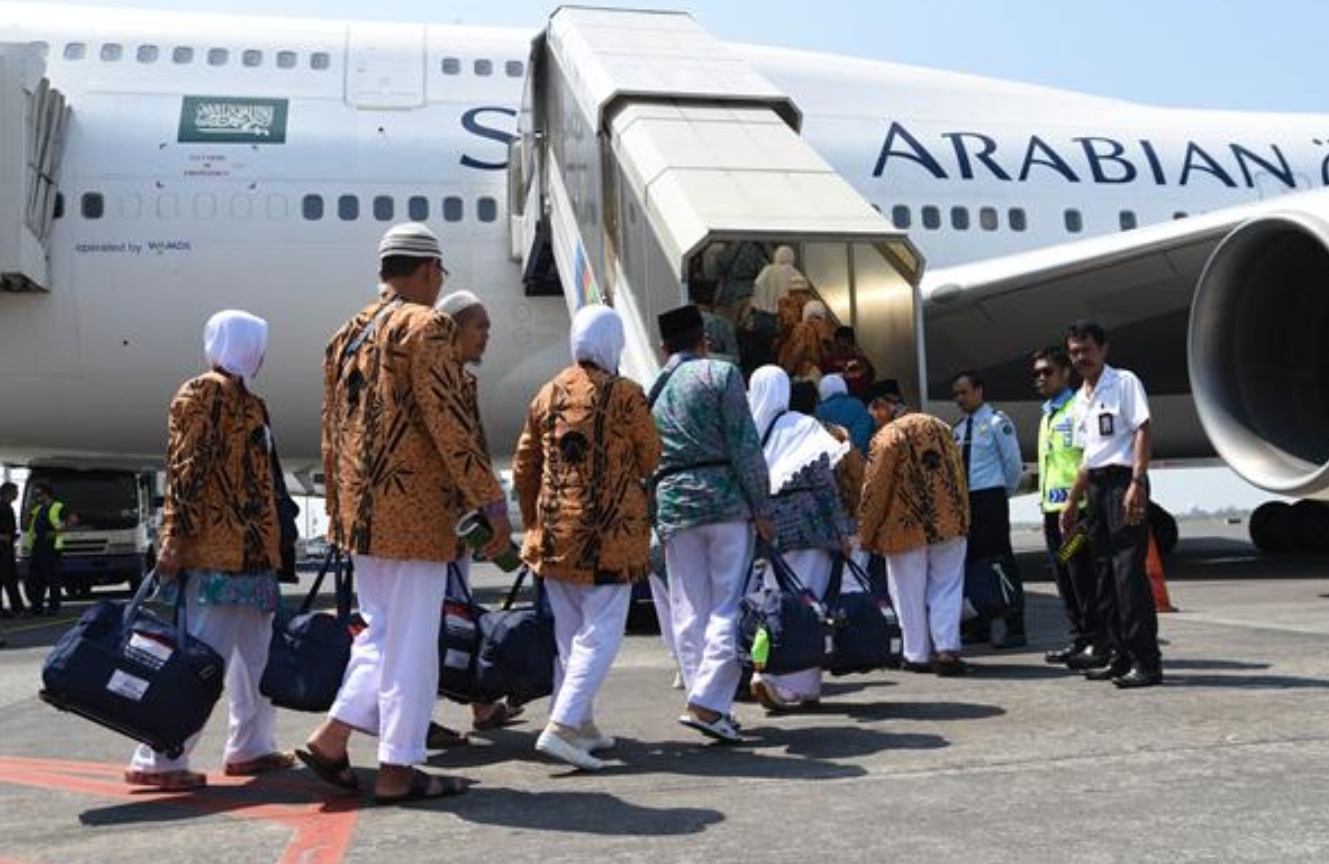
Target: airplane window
<point>515,68</point>
<point>451,209</point>
<point>1074,221</point>
<point>417,208</point>
<point>218,56</point>
<point>182,54</point>
<point>168,206</point>
<point>486,209</point>
<point>75,51</point>
<point>242,207</point>
<point>285,59</point>
<point>987,218</point>
<point>960,218</point>
<point>205,207</point>
<point>931,217</point>
<point>451,66</point>
<point>59,206</point>
<point>312,207</point>
<point>112,51</point>
<point>252,57</point>
<point>148,53</point>
<point>348,208</point>
<point>484,67</point>
<point>131,206</point>
<point>94,205</point>
<point>320,60</point>
<point>900,216</point>
<point>1017,219</point>
<point>1128,220</point>
<point>277,207</point>
<point>383,207</point>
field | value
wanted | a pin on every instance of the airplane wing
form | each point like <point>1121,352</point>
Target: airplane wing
<point>1139,284</point>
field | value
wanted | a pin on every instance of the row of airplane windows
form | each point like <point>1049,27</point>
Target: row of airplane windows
<point>383,208</point>
<point>989,219</point>
<point>113,52</point>
<point>348,208</point>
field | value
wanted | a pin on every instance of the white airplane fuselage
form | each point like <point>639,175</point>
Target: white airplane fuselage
<point>187,227</point>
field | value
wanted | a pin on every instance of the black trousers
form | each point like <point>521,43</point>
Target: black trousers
<point>1077,587</point>
<point>9,579</point>
<point>990,537</point>
<point>44,579</point>
<point>1122,585</point>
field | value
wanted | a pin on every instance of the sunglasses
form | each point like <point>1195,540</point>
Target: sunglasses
<point>1043,372</point>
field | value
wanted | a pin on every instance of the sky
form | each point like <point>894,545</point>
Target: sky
<point>1220,54</point>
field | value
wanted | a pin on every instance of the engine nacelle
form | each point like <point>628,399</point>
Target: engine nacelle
<point>1258,352</point>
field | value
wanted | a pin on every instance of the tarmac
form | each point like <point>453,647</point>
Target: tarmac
<point>1018,762</point>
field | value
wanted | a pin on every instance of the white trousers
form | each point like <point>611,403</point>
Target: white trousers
<point>664,614</point>
<point>813,568</point>
<point>588,627</point>
<point>708,566</point>
<point>927,585</point>
<point>392,680</point>
<point>240,634</point>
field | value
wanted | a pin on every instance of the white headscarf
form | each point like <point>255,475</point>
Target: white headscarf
<point>776,280</point>
<point>597,336</point>
<point>796,440</point>
<point>832,385</point>
<point>236,341</point>
<point>815,309</point>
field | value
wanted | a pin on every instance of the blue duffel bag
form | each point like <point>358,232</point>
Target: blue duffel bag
<point>124,667</point>
<point>517,649</point>
<point>797,632</point>
<point>309,651</point>
<point>865,629</point>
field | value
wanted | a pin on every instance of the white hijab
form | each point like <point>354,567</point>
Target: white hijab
<point>597,337</point>
<point>832,385</point>
<point>236,341</point>
<point>796,440</point>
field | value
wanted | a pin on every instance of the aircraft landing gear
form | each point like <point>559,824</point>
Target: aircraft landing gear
<point>1277,526</point>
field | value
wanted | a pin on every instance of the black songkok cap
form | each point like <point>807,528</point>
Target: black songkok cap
<point>887,388</point>
<point>678,323</point>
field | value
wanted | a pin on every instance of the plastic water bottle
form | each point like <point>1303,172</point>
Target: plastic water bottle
<point>761,648</point>
<point>476,532</point>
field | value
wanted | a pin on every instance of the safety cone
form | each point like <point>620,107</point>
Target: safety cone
<point>1153,564</point>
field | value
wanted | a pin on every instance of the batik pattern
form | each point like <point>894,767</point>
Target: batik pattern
<point>914,490</point>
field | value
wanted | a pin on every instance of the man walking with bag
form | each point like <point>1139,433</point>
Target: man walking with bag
<point>398,457</point>
<point>711,489</point>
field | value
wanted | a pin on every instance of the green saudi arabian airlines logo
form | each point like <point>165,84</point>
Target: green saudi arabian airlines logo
<point>232,120</point>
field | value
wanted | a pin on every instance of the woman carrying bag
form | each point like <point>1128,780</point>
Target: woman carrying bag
<point>811,525</point>
<point>220,525</point>
<point>587,448</point>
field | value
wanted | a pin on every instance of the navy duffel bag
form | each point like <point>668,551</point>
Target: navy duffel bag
<point>124,667</point>
<point>517,650</point>
<point>866,631</point>
<point>797,631</point>
<point>309,651</point>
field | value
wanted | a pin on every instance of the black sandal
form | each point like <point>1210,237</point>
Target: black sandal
<point>335,771</point>
<point>425,787</point>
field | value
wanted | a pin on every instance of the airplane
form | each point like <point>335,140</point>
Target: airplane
<point>218,161</point>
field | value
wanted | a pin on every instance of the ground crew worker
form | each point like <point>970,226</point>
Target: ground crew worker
<point>991,454</point>
<point>46,543</point>
<point>1058,463</point>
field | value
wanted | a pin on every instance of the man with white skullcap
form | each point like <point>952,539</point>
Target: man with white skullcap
<point>402,465</point>
<point>470,339</point>
<point>220,544</point>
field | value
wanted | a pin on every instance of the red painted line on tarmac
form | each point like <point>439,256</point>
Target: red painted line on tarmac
<point>321,829</point>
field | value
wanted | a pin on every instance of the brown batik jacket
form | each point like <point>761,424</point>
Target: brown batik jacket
<point>220,507</point>
<point>402,458</point>
<point>914,489</point>
<point>587,448</point>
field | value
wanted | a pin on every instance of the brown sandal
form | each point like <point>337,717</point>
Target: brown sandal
<point>261,765</point>
<point>167,781</point>
<point>500,714</point>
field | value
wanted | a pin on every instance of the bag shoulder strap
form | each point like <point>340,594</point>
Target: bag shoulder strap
<point>668,372</point>
<point>770,430</point>
<point>342,575</point>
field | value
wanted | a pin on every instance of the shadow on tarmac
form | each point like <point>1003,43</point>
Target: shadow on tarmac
<point>577,813</point>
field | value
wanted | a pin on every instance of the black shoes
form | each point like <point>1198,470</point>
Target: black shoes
<point>1138,676</point>
<point>1092,657</point>
<point>912,666</point>
<point>1114,668</point>
<point>1062,655</point>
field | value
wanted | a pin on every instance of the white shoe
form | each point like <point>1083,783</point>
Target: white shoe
<point>721,728</point>
<point>591,739</point>
<point>678,680</point>
<point>559,748</point>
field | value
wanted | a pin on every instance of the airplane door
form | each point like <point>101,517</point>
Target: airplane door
<point>385,65</point>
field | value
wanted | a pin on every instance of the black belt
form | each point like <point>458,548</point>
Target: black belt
<point>1109,471</point>
<point>679,469</point>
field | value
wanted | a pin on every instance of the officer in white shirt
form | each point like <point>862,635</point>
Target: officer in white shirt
<point>991,454</point>
<point>1112,425</point>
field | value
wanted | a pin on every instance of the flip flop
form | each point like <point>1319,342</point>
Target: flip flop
<point>502,714</point>
<point>261,765</point>
<point>167,781</point>
<point>441,737</point>
<point>423,788</point>
<point>335,771</point>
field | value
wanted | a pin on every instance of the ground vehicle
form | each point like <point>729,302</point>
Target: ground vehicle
<point>112,536</point>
